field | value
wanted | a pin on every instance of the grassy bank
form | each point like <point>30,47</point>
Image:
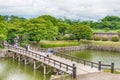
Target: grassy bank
<point>102,30</point>
<point>115,72</point>
<point>101,43</point>
<point>49,44</point>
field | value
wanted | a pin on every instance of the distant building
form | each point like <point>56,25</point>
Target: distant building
<point>105,34</point>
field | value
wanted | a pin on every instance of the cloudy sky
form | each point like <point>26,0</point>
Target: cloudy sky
<point>72,9</point>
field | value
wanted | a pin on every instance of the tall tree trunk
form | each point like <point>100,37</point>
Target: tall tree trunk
<point>37,43</point>
<point>78,39</point>
<point>3,44</point>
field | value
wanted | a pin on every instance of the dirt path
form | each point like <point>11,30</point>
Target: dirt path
<point>99,76</point>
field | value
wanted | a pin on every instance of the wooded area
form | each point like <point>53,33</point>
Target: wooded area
<point>47,27</point>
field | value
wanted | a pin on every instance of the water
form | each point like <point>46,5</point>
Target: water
<point>95,56</point>
<point>14,70</point>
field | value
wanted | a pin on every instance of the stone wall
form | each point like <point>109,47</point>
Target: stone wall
<point>104,48</point>
<point>76,48</point>
<point>4,53</point>
<point>61,49</point>
<point>109,35</point>
<point>72,48</point>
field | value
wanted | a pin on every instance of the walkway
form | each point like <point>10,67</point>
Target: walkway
<point>99,76</point>
<point>81,69</point>
<point>54,61</point>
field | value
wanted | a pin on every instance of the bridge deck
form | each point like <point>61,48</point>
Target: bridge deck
<point>80,68</point>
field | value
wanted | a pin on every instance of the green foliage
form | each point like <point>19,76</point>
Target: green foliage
<point>85,41</point>
<point>23,44</point>
<point>47,27</point>
<point>1,46</point>
<point>82,32</point>
<point>115,72</point>
<point>97,38</point>
<point>118,31</point>
<point>115,38</point>
<point>111,22</point>
<point>62,28</point>
<point>104,38</point>
<point>106,29</point>
<point>3,30</point>
<point>39,29</point>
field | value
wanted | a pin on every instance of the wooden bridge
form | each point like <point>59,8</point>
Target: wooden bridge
<point>59,61</point>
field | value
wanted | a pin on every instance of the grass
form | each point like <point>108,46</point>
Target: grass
<point>115,72</point>
<point>49,44</point>
<point>102,30</point>
<point>104,43</point>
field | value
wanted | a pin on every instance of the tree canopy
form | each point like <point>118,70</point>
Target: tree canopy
<point>47,27</point>
<point>82,32</point>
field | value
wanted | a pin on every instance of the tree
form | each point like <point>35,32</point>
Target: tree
<point>15,28</point>
<point>39,29</point>
<point>111,22</point>
<point>62,28</point>
<point>82,32</point>
<point>3,30</point>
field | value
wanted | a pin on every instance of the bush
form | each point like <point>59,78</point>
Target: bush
<point>104,38</point>
<point>115,38</point>
<point>1,46</point>
<point>96,38</point>
<point>85,41</point>
<point>23,44</point>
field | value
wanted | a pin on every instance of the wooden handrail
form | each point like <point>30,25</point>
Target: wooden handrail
<point>41,57</point>
<point>99,65</point>
<point>92,64</point>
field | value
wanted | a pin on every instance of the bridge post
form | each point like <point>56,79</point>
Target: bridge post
<point>99,67</point>
<point>74,71</point>
<point>44,69</point>
<point>112,67</point>
<point>25,60</point>
<point>13,56</point>
<point>34,64</point>
<point>19,58</point>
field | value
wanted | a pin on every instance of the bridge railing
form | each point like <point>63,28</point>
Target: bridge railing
<point>71,69</point>
<point>98,65</point>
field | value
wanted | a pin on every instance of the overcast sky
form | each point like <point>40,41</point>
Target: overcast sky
<point>72,9</point>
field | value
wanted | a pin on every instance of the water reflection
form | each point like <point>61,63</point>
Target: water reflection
<point>104,56</point>
<point>15,70</point>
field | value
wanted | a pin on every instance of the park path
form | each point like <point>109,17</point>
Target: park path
<point>81,69</point>
<point>99,76</point>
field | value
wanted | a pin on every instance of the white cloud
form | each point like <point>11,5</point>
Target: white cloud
<point>74,9</point>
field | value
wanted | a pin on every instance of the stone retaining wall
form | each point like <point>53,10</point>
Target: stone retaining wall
<point>4,53</point>
<point>72,48</point>
<point>104,48</point>
<point>61,49</point>
<point>76,48</point>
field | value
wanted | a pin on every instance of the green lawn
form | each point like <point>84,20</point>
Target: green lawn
<point>102,30</point>
<point>48,44</point>
<point>115,72</point>
<point>102,43</point>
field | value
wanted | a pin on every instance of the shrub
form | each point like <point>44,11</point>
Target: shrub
<point>105,38</point>
<point>1,46</point>
<point>115,38</point>
<point>96,38</point>
<point>85,41</point>
<point>23,44</point>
